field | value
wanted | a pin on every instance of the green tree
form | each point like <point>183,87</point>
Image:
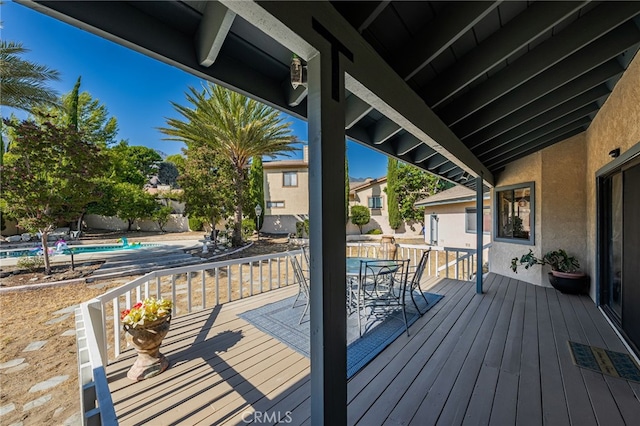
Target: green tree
<point>360,216</point>
<point>233,126</point>
<point>395,217</point>
<point>256,188</point>
<point>178,160</point>
<point>411,185</point>
<point>47,176</point>
<point>207,185</point>
<point>81,109</point>
<point>133,164</point>
<point>74,105</point>
<point>168,174</point>
<point>162,215</point>
<point>133,203</point>
<point>24,83</point>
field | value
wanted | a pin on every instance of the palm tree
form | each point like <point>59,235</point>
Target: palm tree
<point>23,82</point>
<point>234,127</point>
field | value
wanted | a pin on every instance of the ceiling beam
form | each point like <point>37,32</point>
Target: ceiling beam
<point>422,153</point>
<point>580,34</point>
<point>405,143</point>
<point>438,35</point>
<point>294,96</point>
<point>368,76</point>
<point>356,109</point>
<point>535,115</point>
<point>535,148</point>
<point>382,130</point>
<point>582,116</point>
<point>549,84</point>
<point>435,161</point>
<point>212,31</point>
<point>517,150</point>
<point>369,16</point>
<point>529,129</point>
<point>517,33</point>
<point>361,14</point>
<point>124,24</point>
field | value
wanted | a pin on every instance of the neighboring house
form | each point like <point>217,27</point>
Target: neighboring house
<point>286,194</point>
<point>450,218</point>
<point>371,193</point>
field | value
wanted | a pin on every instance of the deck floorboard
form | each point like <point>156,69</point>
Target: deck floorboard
<point>497,358</point>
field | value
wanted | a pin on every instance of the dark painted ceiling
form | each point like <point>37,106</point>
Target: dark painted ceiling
<point>508,78</point>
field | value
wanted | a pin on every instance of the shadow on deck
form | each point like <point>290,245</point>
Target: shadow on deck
<point>498,358</point>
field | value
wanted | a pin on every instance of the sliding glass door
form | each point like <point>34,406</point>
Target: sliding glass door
<point>619,224</point>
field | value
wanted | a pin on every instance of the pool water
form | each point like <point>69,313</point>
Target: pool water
<point>76,249</point>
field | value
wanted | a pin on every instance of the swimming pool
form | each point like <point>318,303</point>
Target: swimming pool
<point>79,249</point>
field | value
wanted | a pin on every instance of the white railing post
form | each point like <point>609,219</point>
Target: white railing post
<point>95,398</point>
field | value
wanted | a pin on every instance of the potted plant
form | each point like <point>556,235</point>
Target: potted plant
<point>564,276</point>
<point>146,324</point>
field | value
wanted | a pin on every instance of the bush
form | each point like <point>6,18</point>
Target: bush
<point>31,262</point>
<point>248,227</point>
<point>375,231</point>
<point>302,229</point>
<point>360,216</point>
<point>195,223</point>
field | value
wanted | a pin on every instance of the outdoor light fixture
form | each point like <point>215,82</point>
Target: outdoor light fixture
<point>298,72</point>
<point>258,210</point>
<point>614,153</point>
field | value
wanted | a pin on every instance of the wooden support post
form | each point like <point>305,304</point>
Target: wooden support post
<point>480,232</point>
<point>327,238</point>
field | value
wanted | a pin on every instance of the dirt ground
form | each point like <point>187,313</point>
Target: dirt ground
<point>40,314</point>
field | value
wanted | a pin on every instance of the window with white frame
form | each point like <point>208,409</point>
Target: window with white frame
<point>375,202</point>
<point>289,178</point>
<point>275,204</point>
<point>471,223</point>
<point>515,214</point>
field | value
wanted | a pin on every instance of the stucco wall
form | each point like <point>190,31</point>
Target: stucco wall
<point>281,224</point>
<point>177,223</point>
<point>362,198</point>
<point>617,125</point>
<point>296,198</point>
<point>452,225</point>
<point>528,169</point>
<point>563,212</point>
<point>565,185</point>
<point>379,217</point>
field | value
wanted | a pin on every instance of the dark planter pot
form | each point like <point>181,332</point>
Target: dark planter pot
<point>569,283</point>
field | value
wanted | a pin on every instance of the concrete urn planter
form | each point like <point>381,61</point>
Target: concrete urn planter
<point>146,340</point>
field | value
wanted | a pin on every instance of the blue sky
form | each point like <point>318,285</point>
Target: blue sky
<point>136,89</point>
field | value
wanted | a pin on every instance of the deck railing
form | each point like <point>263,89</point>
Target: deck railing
<point>450,262</point>
<point>191,288</point>
<point>202,286</point>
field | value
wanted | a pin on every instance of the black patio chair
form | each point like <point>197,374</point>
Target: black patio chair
<point>416,276</point>
<point>382,284</point>
<point>303,282</point>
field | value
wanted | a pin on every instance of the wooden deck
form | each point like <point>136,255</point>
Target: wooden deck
<point>499,358</point>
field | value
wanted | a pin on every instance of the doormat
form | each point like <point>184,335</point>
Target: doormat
<point>616,364</point>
